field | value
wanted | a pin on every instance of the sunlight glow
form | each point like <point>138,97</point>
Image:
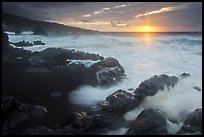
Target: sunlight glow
<point>165,9</point>
<point>146,28</point>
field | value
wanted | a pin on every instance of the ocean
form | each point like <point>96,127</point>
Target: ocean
<point>142,55</point>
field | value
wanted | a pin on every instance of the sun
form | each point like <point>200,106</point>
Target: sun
<point>146,28</point>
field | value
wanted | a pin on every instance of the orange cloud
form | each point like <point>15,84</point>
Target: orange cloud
<point>165,9</point>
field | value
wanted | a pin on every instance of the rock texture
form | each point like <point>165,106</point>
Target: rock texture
<point>193,124</point>
<point>149,122</point>
<point>15,112</point>
<point>107,114</point>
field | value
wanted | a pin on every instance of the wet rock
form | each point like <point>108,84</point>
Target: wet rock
<point>149,122</point>
<point>193,123</point>
<point>109,71</point>
<point>89,124</point>
<point>131,89</point>
<point>23,44</point>
<point>72,118</point>
<point>117,103</point>
<point>41,130</point>
<point>185,75</point>
<point>6,48</point>
<point>197,88</point>
<point>106,71</point>
<point>151,86</point>
<point>15,112</point>
<point>38,42</point>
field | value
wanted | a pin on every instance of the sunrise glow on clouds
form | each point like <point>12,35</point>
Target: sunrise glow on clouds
<point>105,10</point>
<point>144,28</point>
<point>115,16</point>
<point>165,9</point>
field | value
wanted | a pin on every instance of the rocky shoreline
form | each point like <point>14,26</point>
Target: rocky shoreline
<point>108,114</point>
<point>52,68</point>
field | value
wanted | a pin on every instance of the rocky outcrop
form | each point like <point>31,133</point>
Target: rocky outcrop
<point>15,112</point>
<point>38,42</point>
<point>193,124</point>
<point>116,104</point>
<point>27,44</point>
<point>149,122</point>
<point>151,86</point>
<point>107,114</point>
<point>5,43</point>
<point>185,75</point>
<point>108,70</point>
<point>22,44</point>
<point>105,72</point>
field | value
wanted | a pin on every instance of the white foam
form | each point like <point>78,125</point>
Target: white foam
<point>173,128</point>
<point>27,33</point>
<point>177,102</point>
<point>86,63</point>
<point>120,131</point>
<point>133,114</point>
<point>141,57</point>
<point>89,96</point>
<point>10,33</point>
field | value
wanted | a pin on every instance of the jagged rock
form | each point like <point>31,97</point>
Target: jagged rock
<point>193,123</point>
<point>89,124</point>
<point>117,103</point>
<point>15,112</point>
<point>106,71</point>
<point>107,114</point>
<point>72,118</point>
<point>185,75</point>
<point>151,86</point>
<point>197,88</point>
<point>149,122</point>
<point>41,130</point>
<point>5,43</point>
<point>109,71</point>
<point>38,42</point>
<point>23,44</point>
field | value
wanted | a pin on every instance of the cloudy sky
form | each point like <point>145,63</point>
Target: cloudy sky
<point>114,16</point>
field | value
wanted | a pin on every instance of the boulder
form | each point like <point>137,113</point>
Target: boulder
<point>23,44</point>
<point>41,130</point>
<point>15,112</point>
<point>105,71</point>
<point>192,124</point>
<point>72,118</point>
<point>148,122</point>
<point>185,75</point>
<point>109,71</point>
<point>151,86</point>
<point>197,88</point>
<point>117,103</point>
<point>5,43</point>
<point>89,125</point>
<point>107,114</point>
<point>38,42</point>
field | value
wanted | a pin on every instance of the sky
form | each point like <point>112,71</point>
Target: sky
<point>115,16</point>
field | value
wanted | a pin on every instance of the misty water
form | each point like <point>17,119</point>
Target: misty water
<point>142,55</point>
